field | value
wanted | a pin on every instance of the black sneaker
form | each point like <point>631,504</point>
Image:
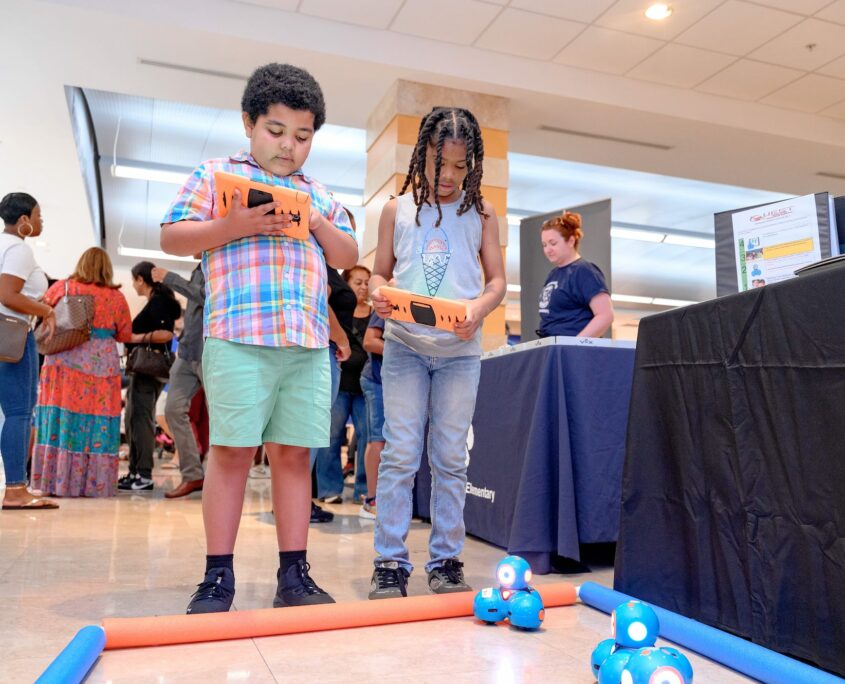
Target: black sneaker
<point>448,578</point>
<point>320,515</point>
<point>141,484</point>
<point>390,580</point>
<point>125,482</point>
<point>214,594</point>
<point>296,588</point>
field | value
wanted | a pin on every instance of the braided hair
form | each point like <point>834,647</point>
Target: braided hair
<point>439,125</point>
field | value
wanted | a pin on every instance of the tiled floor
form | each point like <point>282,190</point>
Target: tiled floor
<point>141,554</point>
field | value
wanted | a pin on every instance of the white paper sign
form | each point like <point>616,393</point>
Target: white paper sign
<point>774,240</point>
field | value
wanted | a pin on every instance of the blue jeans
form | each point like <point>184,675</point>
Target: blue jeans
<point>329,470</point>
<point>420,389</point>
<point>374,396</point>
<point>18,392</point>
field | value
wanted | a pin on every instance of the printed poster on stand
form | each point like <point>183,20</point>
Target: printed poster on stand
<point>774,240</point>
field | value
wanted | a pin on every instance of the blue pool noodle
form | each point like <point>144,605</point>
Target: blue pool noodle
<point>736,653</point>
<point>73,663</point>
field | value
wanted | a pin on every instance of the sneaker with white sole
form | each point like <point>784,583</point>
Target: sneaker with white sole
<point>448,578</point>
<point>142,484</point>
<point>368,509</point>
<point>390,580</point>
<point>125,483</point>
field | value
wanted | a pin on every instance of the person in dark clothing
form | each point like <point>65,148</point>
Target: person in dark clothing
<point>185,378</point>
<point>575,301</point>
<point>353,313</point>
<point>160,313</point>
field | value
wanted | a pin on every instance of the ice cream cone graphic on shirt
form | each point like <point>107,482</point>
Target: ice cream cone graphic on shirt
<point>435,255</point>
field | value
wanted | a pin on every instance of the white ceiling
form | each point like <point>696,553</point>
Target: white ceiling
<point>724,92</point>
<point>691,50</point>
<point>177,135</point>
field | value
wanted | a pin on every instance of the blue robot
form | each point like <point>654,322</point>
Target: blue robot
<point>513,572</point>
<point>525,609</point>
<point>682,663</point>
<point>601,653</point>
<point>612,668</point>
<point>652,666</point>
<point>634,624</point>
<point>489,606</point>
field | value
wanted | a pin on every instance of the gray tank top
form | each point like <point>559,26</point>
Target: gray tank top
<point>436,262</point>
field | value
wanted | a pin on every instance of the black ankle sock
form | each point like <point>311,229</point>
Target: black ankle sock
<point>220,562</point>
<point>370,500</point>
<point>289,558</point>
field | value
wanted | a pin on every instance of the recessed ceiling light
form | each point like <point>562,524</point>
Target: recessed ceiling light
<point>658,11</point>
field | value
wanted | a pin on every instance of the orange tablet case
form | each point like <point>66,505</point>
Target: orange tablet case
<point>294,202</point>
<point>414,308</point>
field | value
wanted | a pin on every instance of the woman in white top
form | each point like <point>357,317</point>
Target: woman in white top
<point>22,285</point>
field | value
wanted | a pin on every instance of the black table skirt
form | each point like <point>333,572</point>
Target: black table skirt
<point>733,509</point>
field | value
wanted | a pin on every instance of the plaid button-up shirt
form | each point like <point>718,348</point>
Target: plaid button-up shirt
<point>264,290</point>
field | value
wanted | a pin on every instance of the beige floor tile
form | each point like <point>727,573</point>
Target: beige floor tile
<point>138,555</point>
<point>222,661</point>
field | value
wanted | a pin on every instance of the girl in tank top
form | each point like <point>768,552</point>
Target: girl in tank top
<point>441,239</point>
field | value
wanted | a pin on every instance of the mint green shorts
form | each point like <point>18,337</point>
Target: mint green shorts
<point>266,394</point>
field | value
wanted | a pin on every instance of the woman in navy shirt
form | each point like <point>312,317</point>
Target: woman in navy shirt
<point>574,300</point>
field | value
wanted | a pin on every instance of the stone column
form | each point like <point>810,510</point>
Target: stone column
<point>391,135</point>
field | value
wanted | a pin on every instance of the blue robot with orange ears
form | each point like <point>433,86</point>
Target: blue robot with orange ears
<point>631,657</point>
<point>514,600</point>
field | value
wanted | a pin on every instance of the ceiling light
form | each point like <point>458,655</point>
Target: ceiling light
<point>149,174</point>
<point>689,241</point>
<point>658,11</point>
<point>634,234</point>
<point>151,254</point>
<point>659,301</point>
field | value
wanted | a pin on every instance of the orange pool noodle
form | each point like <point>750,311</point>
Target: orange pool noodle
<point>415,308</point>
<point>294,202</point>
<point>247,624</point>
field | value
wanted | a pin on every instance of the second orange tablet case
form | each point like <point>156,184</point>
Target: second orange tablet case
<point>294,202</point>
<point>414,308</point>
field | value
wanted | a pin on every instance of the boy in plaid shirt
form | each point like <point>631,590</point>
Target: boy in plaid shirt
<point>266,360</point>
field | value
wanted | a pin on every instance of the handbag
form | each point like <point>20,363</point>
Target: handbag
<point>74,316</point>
<point>144,360</point>
<point>13,332</point>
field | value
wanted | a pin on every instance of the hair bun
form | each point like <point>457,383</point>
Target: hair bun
<point>571,220</point>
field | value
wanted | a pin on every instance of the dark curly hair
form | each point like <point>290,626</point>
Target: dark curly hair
<point>439,125</point>
<point>283,84</point>
<point>14,205</point>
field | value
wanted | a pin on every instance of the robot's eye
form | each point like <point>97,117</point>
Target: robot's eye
<point>506,575</point>
<point>665,675</point>
<point>637,631</point>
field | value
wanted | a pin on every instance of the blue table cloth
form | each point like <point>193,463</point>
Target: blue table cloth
<point>546,449</point>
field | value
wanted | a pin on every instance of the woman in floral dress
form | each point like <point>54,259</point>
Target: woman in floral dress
<point>78,414</point>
